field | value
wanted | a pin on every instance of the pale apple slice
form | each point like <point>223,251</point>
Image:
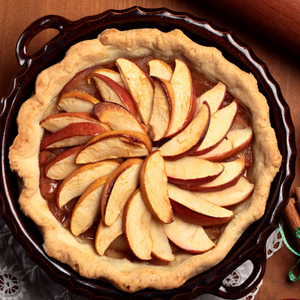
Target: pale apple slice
<point>159,68</point>
<point>115,144</point>
<point>121,183</point>
<point>196,210</point>
<point>87,208</point>
<point>185,99</point>
<point>72,135</point>
<point>220,123</point>
<point>105,235</point>
<point>188,140</point>
<point>76,101</point>
<point>63,164</point>
<point>161,248</point>
<point>191,170</point>
<point>217,152</point>
<point>111,91</point>
<point>189,237</point>
<point>117,117</point>
<point>114,75</point>
<point>137,226</point>
<point>236,139</point>
<point>233,170</point>
<point>56,122</point>
<point>139,85</point>
<point>154,187</point>
<point>214,97</point>
<point>163,104</point>
<point>76,183</point>
<point>229,196</point>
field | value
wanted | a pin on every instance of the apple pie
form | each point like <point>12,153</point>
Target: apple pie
<point>143,157</point>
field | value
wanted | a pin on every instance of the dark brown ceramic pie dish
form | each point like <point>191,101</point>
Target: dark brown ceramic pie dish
<point>251,245</point>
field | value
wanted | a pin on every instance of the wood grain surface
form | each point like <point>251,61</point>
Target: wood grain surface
<point>278,19</point>
<point>283,64</point>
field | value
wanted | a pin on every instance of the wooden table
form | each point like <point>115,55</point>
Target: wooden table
<point>283,64</point>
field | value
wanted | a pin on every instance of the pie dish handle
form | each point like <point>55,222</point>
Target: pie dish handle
<point>249,285</point>
<point>47,22</point>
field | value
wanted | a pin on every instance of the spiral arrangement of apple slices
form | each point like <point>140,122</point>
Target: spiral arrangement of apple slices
<point>151,161</point>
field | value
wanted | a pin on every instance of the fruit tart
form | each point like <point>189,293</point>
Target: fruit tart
<point>143,157</point>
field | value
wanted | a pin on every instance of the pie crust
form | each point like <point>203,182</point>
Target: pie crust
<point>59,243</point>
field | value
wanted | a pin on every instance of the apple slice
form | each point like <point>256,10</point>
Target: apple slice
<point>191,170</point>
<point>137,226</point>
<point>56,122</point>
<point>114,75</point>
<point>229,196</point>
<point>185,99</point>
<point>76,183</point>
<point>87,208</point>
<point>72,135</point>
<point>237,139</point>
<point>188,140</point>
<point>196,210</point>
<point>63,164</point>
<point>214,97</point>
<point>76,101</point>
<point>115,144</point>
<point>117,117</point>
<point>233,170</point>
<point>189,237</point>
<point>220,123</point>
<point>139,85</point>
<point>216,153</point>
<point>161,248</point>
<point>154,187</point>
<point>163,104</point>
<point>105,235</point>
<point>111,91</point>
<point>159,68</point>
<point>121,183</point>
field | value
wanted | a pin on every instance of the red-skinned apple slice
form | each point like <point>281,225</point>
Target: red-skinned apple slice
<point>185,99</point>
<point>139,85</point>
<point>159,68</point>
<point>114,75</point>
<point>229,196</point>
<point>111,91</point>
<point>76,101</point>
<point>196,210</point>
<point>161,248</point>
<point>188,140</point>
<point>237,139</point>
<point>189,237</point>
<point>217,152</point>
<point>154,187</point>
<point>115,144</point>
<point>220,123</point>
<point>214,97</point>
<point>87,208</point>
<point>121,183</point>
<point>72,135</point>
<point>163,104</point>
<point>137,226</point>
<point>76,183</point>
<point>233,170</point>
<point>191,170</point>
<point>56,122</point>
<point>117,117</point>
<point>63,164</point>
<point>105,235</point>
